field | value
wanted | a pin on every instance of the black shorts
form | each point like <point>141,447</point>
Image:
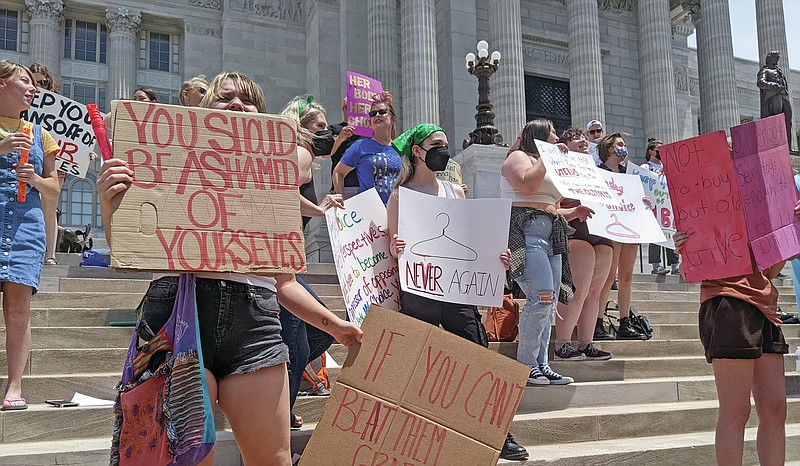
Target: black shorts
<point>463,320</point>
<point>582,233</point>
<point>240,327</point>
<point>733,329</point>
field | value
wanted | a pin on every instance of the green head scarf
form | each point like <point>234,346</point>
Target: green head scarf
<point>413,137</point>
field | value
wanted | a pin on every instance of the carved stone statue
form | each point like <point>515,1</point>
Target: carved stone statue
<point>775,97</point>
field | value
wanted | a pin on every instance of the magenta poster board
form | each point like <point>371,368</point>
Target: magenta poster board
<point>765,178</point>
<point>707,204</point>
<point>360,92</point>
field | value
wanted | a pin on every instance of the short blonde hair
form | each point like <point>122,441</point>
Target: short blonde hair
<point>186,85</point>
<point>242,83</point>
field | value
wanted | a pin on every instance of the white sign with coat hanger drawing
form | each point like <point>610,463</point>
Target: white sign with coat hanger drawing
<point>453,247</point>
<point>630,221</point>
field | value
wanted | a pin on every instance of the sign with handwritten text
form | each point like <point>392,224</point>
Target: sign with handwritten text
<point>766,182</point>
<point>361,92</point>
<point>575,175</point>
<point>414,394</point>
<point>453,247</point>
<point>69,124</point>
<point>707,205</point>
<point>213,191</point>
<point>655,188</point>
<point>360,242</point>
<point>629,221</point>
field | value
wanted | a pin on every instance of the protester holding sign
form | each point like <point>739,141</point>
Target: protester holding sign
<point>425,153</point>
<point>613,151</point>
<point>23,244</point>
<point>238,315</point>
<point>538,242</point>
<point>653,163</point>
<point>590,260</point>
<point>740,328</point>
<point>145,94</point>
<point>376,163</point>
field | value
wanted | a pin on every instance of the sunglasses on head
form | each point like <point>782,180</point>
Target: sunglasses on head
<point>43,83</point>
<point>201,90</point>
<point>383,111</point>
<point>595,131</point>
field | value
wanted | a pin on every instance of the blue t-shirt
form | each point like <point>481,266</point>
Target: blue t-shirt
<point>376,166</point>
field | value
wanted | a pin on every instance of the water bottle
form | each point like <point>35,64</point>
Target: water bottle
<point>797,360</point>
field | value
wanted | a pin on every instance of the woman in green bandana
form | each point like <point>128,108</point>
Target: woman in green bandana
<point>424,151</point>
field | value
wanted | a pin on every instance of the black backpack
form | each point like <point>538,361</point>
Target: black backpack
<point>639,321</point>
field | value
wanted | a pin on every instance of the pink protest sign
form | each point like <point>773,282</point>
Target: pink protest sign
<point>360,93</point>
<point>707,205</point>
<point>764,173</point>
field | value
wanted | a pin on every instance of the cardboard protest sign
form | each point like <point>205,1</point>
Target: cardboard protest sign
<point>214,191</point>
<point>766,182</point>
<point>629,221</point>
<point>708,206</point>
<point>575,175</point>
<point>361,90</point>
<point>416,394</point>
<point>655,187</point>
<point>360,240</point>
<point>69,124</point>
<point>453,247</point>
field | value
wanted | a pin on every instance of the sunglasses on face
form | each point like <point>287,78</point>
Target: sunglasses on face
<point>383,111</point>
<point>595,131</point>
<point>43,83</point>
<point>201,90</point>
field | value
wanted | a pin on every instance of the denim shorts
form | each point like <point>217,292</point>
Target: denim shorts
<point>240,327</point>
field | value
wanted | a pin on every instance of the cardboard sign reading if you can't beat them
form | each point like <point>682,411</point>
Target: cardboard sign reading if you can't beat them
<point>214,191</point>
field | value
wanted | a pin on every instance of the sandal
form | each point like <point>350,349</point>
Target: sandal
<point>51,261</point>
<point>8,406</point>
<point>297,421</point>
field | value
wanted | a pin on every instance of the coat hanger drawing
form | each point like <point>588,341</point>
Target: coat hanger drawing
<point>618,229</point>
<point>444,247</point>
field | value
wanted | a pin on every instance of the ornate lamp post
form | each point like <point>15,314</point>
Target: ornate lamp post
<point>485,132</point>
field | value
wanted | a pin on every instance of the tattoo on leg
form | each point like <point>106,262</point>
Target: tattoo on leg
<point>325,321</point>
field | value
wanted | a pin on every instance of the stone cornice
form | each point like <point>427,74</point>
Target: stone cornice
<point>210,4</point>
<point>123,20</point>
<point>46,9</point>
<point>693,8</point>
<point>603,5</point>
<point>289,11</point>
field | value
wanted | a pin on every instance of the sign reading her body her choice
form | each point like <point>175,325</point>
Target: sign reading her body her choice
<point>213,191</point>
<point>655,187</point>
<point>453,247</point>
<point>69,124</point>
<point>360,242</point>
<point>707,205</point>
<point>575,175</point>
<point>361,91</point>
<point>765,178</point>
<point>629,221</point>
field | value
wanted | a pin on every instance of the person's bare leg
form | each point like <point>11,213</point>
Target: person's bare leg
<point>50,223</point>
<point>734,380</point>
<point>588,319</point>
<point>17,315</point>
<point>581,261</point>
<point>257,406</point>
<point>612,275</point>
<point>769,393</point>
<point>212,394</point>
<point>627,259</point>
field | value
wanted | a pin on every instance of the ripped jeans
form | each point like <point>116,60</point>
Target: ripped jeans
<point>540,282</point>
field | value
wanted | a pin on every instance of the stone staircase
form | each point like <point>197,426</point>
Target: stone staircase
<point>654,402</point>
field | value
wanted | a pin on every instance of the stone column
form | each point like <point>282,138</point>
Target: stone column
<point>45,34</point>
<point>123,51</point>
<point>420,75</point>
<point>383,48</point>
<point>715,66</point>
<point>655,65</point>
<point>585,66</point>
<point>508,82</point>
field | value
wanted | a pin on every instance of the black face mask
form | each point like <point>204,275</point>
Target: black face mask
<point>658,155</point>
<point>436,158</point>
<point>322,142</point>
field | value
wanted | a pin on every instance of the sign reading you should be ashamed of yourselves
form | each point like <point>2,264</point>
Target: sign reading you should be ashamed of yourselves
<point>214,191</point>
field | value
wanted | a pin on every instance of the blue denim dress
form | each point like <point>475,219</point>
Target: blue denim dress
<point>22,244</point>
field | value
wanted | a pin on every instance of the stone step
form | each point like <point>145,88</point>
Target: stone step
<point>67,361</point>
<point>78,337</point>
<point>78,317</point>
<point>679,449</point>
<point>38,388</point>
<point>109,299</point>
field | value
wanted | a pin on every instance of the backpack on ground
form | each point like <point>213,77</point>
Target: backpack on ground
<point>315,377</point>
<point>639,322</point>
<point>502,323</point>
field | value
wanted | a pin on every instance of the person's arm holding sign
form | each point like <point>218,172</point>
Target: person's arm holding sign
<point>524,173</point>
<point>308,208</point>
<point>344,167</point>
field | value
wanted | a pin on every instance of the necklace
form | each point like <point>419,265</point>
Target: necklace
<point>8,131</point>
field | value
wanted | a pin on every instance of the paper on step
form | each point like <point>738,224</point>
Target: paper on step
<point>331,363</point>
<point>85,400</point>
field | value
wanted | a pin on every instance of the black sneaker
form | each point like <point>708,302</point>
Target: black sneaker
<point>600,332</point>
<point>568,353</point>
<point>595,354</point>
<point>627,332</point>
<point>660,271</point>
<point>537,378</point>
<point>614,285</point>
<point>512,450</point>
<point>554,377</point>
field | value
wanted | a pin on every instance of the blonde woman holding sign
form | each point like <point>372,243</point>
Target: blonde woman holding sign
<point>250,385</point>
<point>424,150</point>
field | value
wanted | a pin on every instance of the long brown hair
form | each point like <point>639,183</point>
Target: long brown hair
<point>41,69</point>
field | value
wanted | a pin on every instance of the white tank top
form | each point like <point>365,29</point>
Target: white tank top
<point>547,194</point>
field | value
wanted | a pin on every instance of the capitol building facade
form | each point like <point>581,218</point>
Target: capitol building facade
<point>623,62</point>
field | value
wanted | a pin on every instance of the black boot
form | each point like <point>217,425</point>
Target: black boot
<point>627,332</point>
<point>600,332</point>
<point>512,450</point>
